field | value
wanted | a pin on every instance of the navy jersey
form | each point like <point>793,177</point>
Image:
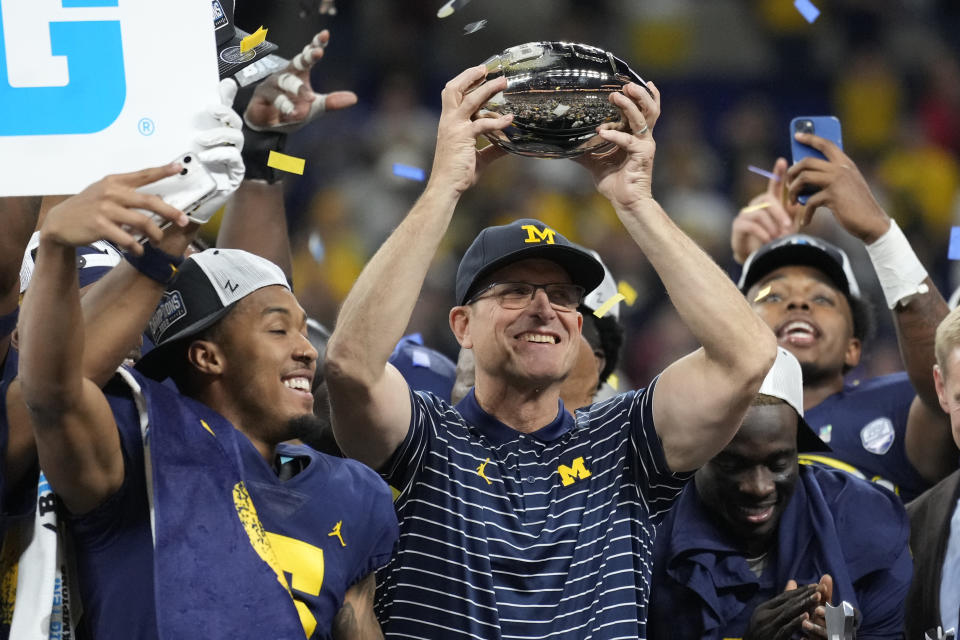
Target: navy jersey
<point>327,526</point>
<point>511,535</point>
<point>703,589</point>
<point>865,425</point>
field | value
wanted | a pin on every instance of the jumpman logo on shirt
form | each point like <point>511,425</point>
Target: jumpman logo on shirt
<point>480,471</point>
<point>336,532</point>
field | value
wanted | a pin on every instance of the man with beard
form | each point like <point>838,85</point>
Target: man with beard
<point>755,524</point>
<point>889,429</point>
<point>189,517</point>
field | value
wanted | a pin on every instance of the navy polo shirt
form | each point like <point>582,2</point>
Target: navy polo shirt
<point>511,535</point>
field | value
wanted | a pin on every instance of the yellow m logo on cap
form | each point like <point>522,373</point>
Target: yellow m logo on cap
<point>536,235</point>
<point>578,471</point>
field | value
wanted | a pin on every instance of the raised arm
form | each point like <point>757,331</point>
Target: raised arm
<point>737,347</point>
<point>76,435</point>
<point>914,301</point>
<point>369,398</point>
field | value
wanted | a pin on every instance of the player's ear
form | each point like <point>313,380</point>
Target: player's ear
<point>851,357</point>
<point>206,356</point>
<point>460,325</point>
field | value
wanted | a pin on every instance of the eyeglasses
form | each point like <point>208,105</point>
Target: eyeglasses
<point>517,295</point>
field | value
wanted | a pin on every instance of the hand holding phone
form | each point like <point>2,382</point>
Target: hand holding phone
<point>824,126</point>
<point>186,191</point>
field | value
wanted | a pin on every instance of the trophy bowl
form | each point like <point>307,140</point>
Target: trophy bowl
<point>558,93</point>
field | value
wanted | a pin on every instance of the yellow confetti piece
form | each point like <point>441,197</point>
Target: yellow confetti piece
<point>253,40</point>
<point>629,293</point>
<point>614,381</point>
<point>283,162</point>
<point>207,427</point>
<point>762,294</point>
<point>756,207</point>
<point>606,306</point>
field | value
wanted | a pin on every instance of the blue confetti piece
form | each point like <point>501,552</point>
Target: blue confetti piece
<point>317,250</point>
<point>953,253</point>
<point>807,10</point>
<point>421,359</point>
<point>763,172</point>
<point>410,173</point>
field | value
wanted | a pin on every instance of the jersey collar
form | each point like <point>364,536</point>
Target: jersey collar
<point>499,433</point>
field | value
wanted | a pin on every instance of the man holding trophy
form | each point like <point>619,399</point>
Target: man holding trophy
<point>518,519</point>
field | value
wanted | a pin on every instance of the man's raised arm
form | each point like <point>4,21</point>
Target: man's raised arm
<point>369,398</point>
<point>700,399</point>
<point>77,440</point>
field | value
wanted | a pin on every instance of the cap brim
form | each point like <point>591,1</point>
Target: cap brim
<point>807,439</point>
<point>796,254</point>
<point>230,60</point>
<point>583,268</point>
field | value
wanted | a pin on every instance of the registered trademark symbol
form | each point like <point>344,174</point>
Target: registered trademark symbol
<point>146,127</point>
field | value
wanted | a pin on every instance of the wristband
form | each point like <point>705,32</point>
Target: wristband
<point>157,265</point>
<point>899,270</point>
<point>8,322</point>
<point>257,146</point>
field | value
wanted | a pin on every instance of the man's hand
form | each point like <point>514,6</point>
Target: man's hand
<point>783,615</point>
<point>756,224</point>
<point>842,189</point>
<point>624,175</point>
<point>106,210</point>
<point>816,626</point>
<point>218,149</point>
<point>457,163</point>
<point>286,101</point>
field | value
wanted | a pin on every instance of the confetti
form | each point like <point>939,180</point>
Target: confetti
<point>756,207</point>
<point>807,10</point>
<point>762,294</point>
<point>954,252</point>
<point>629,293</point>
<point>764,173</point>
<point>317,250</point>
<point>473,27</point>
<point>421,358</point>
<point>253,40</point>
<point>606,306</point>
<point>614,381</point>
<point>283,162</point>
<point>408,172</point>
<point>447,10</point>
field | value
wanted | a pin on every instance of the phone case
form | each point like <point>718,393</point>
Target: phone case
<point>824,126</point>
<point>186,190</point>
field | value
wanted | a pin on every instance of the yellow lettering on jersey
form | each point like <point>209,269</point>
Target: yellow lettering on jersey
<point>480,471</point>
<point>336,532</point>
<point>304,563</point>
<point>577,471</point>
<point>535,235</point>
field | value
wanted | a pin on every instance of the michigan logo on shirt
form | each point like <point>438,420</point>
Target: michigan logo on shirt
<point>576,471</point>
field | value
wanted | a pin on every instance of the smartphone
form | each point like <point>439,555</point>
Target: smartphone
<point>186,191</point>
<point>824,126</point>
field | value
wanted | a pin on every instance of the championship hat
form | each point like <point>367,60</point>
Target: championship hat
<point>496,247</point>
<point>93,261</point>
<point>785,381</point>
<point>800,249</point>
<point>206,287</point>
<point>604,291</point>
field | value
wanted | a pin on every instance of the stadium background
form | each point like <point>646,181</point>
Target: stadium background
<point>732,74</point>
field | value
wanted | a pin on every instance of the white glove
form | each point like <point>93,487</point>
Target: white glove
<point>218,149</point>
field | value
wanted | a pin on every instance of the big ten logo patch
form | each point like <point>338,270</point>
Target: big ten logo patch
<point>61,67</point>
<point>576,471</point>
<point>535,235</point>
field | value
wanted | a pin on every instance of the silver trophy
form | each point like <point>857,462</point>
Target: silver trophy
<point>558,93</point>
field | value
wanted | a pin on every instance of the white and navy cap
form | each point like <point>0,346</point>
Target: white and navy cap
<point>206,287</point>
<point>800,249</point>
<point>496,247</point>
<point>93,261</point>
<point>604,291</point>
<point>785,381</point>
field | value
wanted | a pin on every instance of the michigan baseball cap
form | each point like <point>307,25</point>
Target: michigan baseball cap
<point>785,381</point>
<point>207,285</point>
<point>800,249</point>
<point>423,368</point>
<point>496,247</point>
